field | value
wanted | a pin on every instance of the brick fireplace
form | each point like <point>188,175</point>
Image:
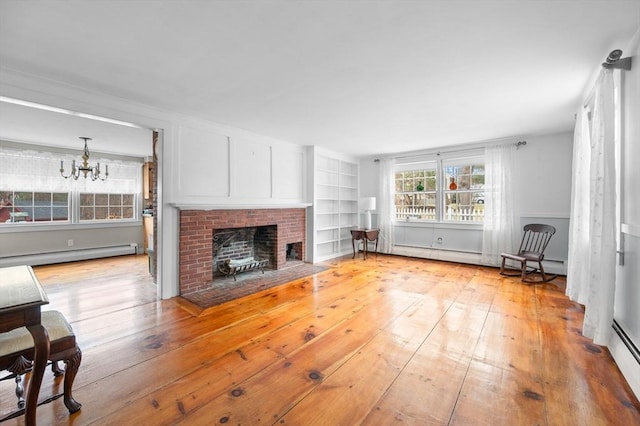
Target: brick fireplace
<point>197,228</point>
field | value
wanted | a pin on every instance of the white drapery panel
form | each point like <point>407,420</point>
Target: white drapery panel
<point>577,274</point>
<point>386,210</point>
<point>499,221</point>
<point>30,170</point>
<point>592,235</point>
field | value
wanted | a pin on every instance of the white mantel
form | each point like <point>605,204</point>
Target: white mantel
<point>238,206</point>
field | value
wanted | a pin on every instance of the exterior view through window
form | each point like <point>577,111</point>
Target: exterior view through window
<point>29,206</point>
<point>24,207</point>
<point>440,191</point>
<point>106,206</point>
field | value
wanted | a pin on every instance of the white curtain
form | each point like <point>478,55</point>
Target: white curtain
<point>386,210</point>
<point>577,273</point>
<point>31,170</point>
<point>592,235</point>
<point>499,220</point>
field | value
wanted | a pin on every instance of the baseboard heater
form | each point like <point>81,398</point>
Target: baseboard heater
<point>69,255</point>
<point>633,349</point>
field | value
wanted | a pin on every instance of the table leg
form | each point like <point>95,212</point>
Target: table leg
<point>353,244</point>
<point>364,247</point>
<point>41,344</point>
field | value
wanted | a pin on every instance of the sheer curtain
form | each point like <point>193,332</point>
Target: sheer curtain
<point>386,205</point>
<point>499,220</point>
<point>577,273</point>
<point>592,235</point>
<point>31,170</point>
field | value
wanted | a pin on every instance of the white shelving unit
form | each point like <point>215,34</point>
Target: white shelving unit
<point>335,206</point>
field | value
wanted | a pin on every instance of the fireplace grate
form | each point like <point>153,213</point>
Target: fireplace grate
<point>231,267</point>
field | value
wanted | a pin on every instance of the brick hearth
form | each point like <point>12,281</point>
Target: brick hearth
<point>196,239</point>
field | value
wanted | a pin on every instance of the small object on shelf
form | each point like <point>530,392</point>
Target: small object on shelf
<point>453,186</point>
<point>420,187</point>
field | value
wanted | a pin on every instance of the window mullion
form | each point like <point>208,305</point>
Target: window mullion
<point>439,193</point>
<point>75,206</point>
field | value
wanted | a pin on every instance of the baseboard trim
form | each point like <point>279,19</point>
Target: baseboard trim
<point>69,255</point>
<point>557,267</point>
<point>627,356</point>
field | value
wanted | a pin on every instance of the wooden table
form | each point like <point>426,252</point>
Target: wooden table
<point>365,235</point>
<point>21,297</point>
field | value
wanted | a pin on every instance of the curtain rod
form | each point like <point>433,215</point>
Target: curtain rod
<point>616,61</point>
<point>451,151</point>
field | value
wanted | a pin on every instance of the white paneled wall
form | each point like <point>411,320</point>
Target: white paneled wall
<point>203,163</point>
<point>218,169</point>
<point>289,174</point>
<point>251,167</point>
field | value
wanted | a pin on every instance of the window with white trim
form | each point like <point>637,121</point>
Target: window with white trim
<point>106,206</point>
<point>441,190</point>
<point>32,190</point>
<point>30,206</point>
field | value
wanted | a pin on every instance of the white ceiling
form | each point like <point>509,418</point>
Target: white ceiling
<point>41,127</point>
<point>360,77</point>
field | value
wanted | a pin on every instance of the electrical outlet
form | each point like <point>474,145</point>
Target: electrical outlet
<point>70,243</point>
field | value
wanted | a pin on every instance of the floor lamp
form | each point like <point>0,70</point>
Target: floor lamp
<point>368,204</point>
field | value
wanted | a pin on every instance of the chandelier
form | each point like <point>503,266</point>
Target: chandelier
<point>84,167</point>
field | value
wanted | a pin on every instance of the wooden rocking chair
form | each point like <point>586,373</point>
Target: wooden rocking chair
<point>534,242</point>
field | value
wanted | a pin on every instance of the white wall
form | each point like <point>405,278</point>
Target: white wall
<point>627,287</point>
<point>56,238</point>
<point>542,181</point>
<point>542,175</point>
<point>214,167</point>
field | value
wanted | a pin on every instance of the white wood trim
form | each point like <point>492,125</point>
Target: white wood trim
<point>627,228</point>
<point>235,206</point>
<point>626,362</point>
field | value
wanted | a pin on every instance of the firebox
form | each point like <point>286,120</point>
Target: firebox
<point>255,242</point>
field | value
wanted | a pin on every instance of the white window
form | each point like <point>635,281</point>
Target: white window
<point>29,206</point>
<point>440,190</point>
<point>32,190</point>
<point>106,206</point>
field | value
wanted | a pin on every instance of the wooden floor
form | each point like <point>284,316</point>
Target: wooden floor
<point>389,340</point>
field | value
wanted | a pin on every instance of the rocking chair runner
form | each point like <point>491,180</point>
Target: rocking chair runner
<point>534,242</point>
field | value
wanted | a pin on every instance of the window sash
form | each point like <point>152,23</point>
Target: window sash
<point>19,207</point>
<point>38,172</point>
<point>436,199</point>
<point>106,206</point>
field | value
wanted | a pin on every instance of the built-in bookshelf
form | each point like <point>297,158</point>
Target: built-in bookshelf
<point>335,206</point>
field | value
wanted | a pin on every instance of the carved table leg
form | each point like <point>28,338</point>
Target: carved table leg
<point>72,365</point>
<point>41,344</point>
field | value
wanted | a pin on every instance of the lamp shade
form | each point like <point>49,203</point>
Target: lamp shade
<point>367,203</point>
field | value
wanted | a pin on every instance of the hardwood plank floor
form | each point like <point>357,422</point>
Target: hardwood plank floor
<point>389,340</point>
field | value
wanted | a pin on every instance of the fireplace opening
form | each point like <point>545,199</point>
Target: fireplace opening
<point>294,251</point>
<point>199,227</point>
<point>242,245</point>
